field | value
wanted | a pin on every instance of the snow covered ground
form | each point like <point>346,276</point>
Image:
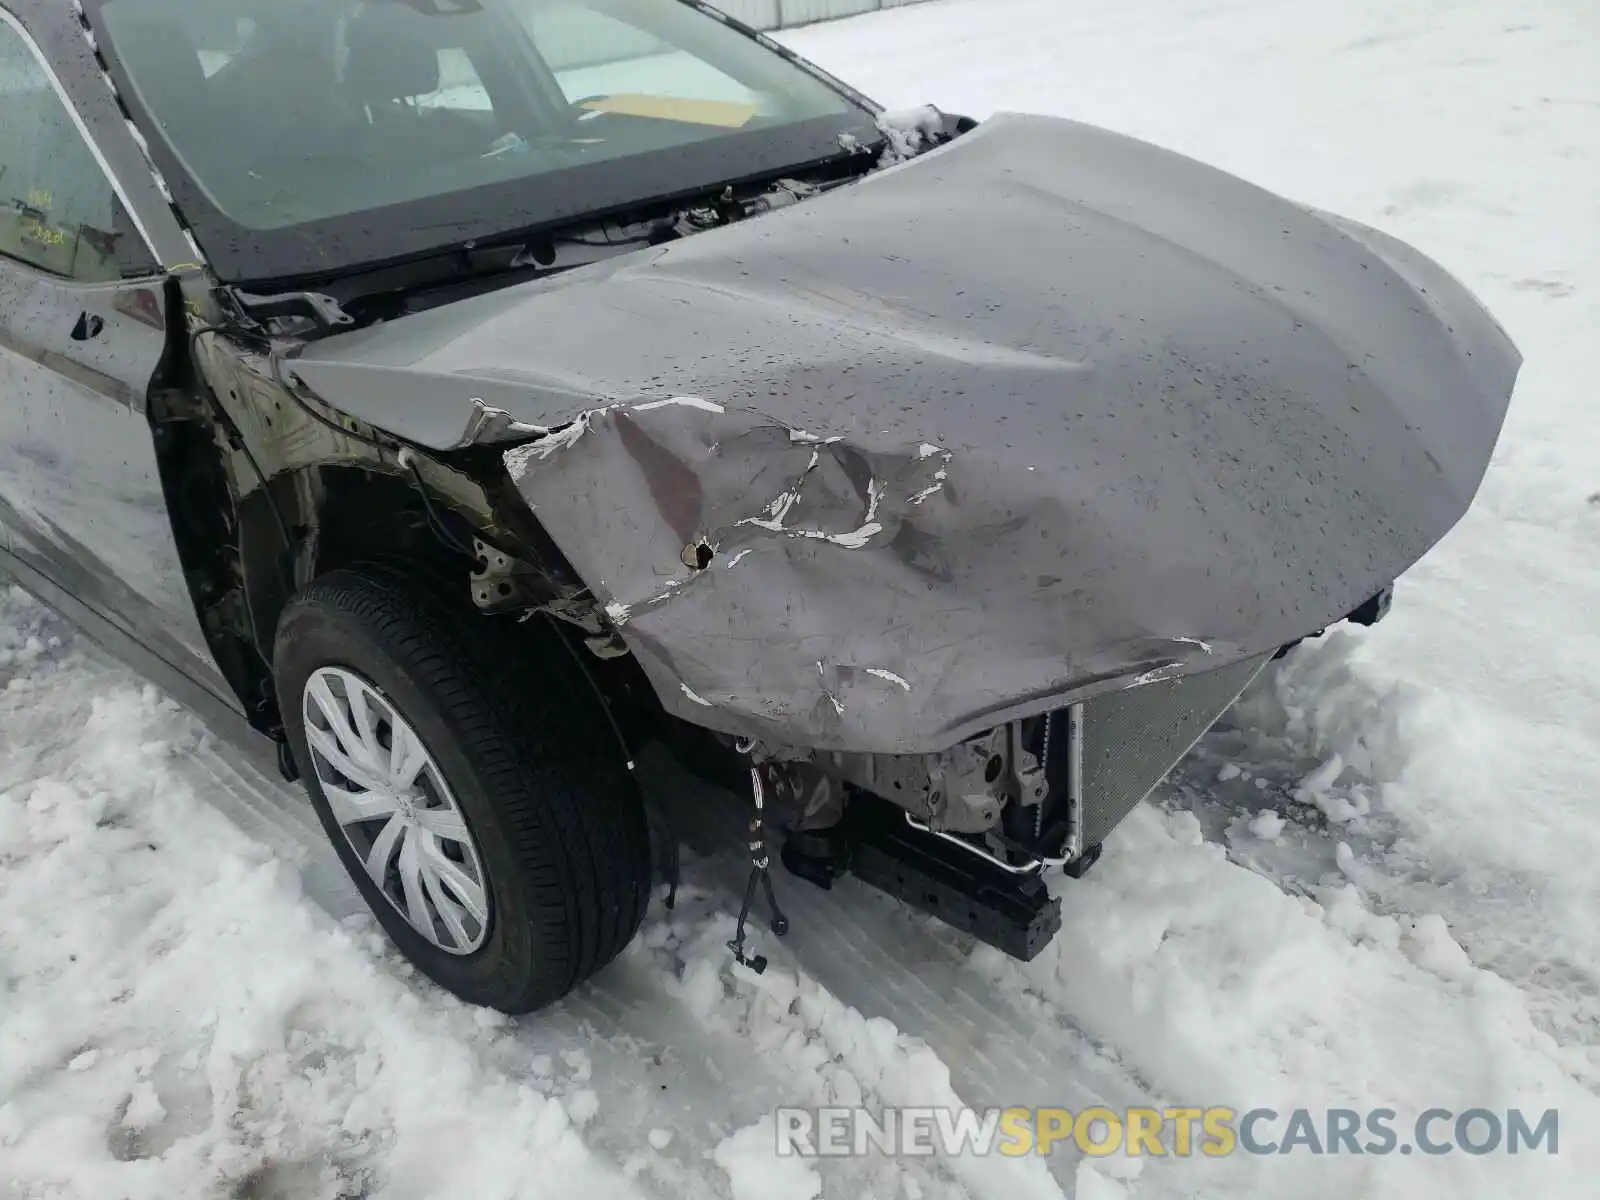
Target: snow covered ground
<point>1376,886</point>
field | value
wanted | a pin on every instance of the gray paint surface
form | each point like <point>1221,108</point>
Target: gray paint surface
<point>1037,415</point>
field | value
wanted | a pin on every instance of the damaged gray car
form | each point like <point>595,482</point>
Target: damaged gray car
<point>464,394</point>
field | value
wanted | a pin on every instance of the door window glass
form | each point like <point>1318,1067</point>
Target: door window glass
<point>58,211</point>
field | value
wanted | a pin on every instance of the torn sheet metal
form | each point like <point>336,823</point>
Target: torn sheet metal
<point>1040,412</point>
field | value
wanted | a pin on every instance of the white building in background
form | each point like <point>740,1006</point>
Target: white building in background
<point>783,14</point>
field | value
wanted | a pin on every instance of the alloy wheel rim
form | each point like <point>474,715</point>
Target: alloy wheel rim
<point>396,811</point>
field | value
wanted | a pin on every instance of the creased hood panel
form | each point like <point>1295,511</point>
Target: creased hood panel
<point>1014,420</point>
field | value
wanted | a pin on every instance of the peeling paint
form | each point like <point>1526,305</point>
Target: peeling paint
<point>1204,647</point>
<point>822,673</point>
<point>621,612</point>
<point>940,476</point>
<point>738,558</point>
<point>694,697</point>
<point>881,673</point>
<point>859,536</point>
<point>811,439</point>
<point>567,436</point>
<point>854,539</point>
<point>1156,674</point>
<point>780,506</point>
<point>680,401</point>
<point>518,460</point>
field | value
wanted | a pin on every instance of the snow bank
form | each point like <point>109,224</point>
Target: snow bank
<point>755,1170</point>
<point>1221,987</point>
<point>827,1052</point>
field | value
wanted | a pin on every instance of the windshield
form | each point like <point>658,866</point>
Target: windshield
<point>307,137</point>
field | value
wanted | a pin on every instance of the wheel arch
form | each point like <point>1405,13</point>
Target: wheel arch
<point>269,490</point>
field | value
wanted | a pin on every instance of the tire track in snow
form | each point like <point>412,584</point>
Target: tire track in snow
<point>885,959</point>
<point>729,1046</point>
<point>858,949</point>
<point>1218,986</point>
<point>675,1002</point>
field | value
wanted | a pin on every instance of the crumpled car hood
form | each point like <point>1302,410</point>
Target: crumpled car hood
<point>1045,412</point>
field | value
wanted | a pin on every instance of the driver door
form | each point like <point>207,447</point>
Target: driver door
<point>83,331</point>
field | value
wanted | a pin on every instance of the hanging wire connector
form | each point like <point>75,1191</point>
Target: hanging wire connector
<point>760,876</point>
<point>666,860</point>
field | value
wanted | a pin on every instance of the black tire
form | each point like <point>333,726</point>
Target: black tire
<point>524,744</point>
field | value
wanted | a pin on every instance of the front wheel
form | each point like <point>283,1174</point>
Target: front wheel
<point>470,782</point>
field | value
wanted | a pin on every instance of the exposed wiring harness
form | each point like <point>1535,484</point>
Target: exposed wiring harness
<point>403,455</point>
<point>408,462</point>
<point>236,440</point>
<point>760,875</point>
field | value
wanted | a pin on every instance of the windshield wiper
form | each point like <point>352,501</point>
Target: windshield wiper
<point>472,266</point>
<point>288,313</point>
